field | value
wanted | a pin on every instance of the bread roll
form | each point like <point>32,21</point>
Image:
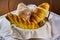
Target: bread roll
<point>37,16</point>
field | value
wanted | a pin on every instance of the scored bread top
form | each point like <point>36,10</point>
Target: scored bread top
<point>37,16</point>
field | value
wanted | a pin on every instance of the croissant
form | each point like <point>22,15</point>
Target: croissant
<point>40,12</point>
<point>37,16</point>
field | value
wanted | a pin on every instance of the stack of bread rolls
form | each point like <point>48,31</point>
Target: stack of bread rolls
<point>28,19</point>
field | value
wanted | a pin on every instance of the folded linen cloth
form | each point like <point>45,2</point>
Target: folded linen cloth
<point>5,28</point>
<point>54,20</point>
<point>8,32</point>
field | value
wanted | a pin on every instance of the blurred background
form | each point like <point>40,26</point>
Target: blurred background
<point>54,5</point>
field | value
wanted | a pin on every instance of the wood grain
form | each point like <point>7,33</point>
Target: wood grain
<point>13,5</point>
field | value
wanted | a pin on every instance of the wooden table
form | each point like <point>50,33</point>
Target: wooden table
<point>13,5</point>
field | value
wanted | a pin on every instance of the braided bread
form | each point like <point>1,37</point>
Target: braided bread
<point>37,16</point>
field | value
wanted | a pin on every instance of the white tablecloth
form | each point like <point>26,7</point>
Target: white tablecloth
<point>9,33</point>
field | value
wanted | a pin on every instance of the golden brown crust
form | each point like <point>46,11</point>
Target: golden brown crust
<point>36,17</point>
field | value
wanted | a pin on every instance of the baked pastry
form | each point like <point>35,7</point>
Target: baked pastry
<point>40,13</point>
<point>37,16</point>
<point>23,11</point>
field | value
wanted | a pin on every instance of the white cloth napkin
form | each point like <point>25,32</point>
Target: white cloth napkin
<point>5,29</point>
<point>55,23</point>
<point>8,33</point>
<point>43,32</point>
<point>54,20</point>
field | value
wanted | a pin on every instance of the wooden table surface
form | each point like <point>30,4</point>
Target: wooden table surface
<point>13,5</point>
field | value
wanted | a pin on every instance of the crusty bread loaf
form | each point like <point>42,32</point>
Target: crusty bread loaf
<point>37,16</point>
